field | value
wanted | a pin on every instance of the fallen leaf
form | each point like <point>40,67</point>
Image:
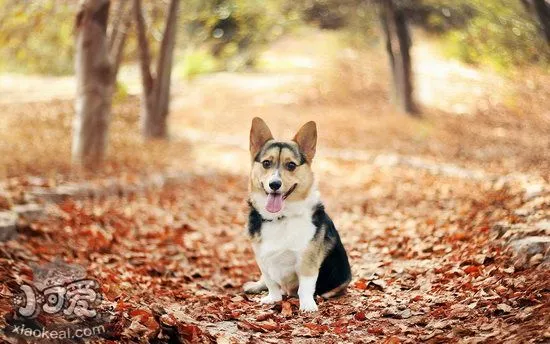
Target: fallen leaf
<point>360,316</point>
<point>269,325</point>
<point>361,285</point>
<point>376,330</point>
<point>264,316</point>
<point>168,320</point>
<point>504,308</point>
<point>340,330</point>
<point>392,340</point>
<point>286,310</point>
<point>472,270</point>
<point>377,284</point>
<point>317,327</point>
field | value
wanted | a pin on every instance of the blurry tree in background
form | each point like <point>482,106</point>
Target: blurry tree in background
<point>97,60</point>
<point>398,46</point>
<point>118,33</point>
<point>156,88</point>
<point>94,83</point>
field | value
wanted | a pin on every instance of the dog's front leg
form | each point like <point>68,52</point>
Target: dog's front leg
<point>308,271</point>
<point>274,290</point>
<point>306,292</point>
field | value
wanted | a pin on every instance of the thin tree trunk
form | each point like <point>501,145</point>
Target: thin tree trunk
<point>94,83</point>
<point>385,18</point>
<point>542,8</point>
<point>117,23</point>
<point>118,39</point>
<point>164,72</point>
<point>147,80</point>
<point>398,44</point>
<point>156,90</point>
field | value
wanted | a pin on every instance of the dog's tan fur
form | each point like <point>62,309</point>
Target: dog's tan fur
<point>313,255</point>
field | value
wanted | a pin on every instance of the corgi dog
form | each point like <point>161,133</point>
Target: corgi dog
<point>296,245</point>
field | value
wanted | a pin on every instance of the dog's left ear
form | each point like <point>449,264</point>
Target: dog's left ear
<point>306,138</point>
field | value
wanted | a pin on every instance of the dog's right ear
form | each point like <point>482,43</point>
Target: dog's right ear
<point>259,135</point>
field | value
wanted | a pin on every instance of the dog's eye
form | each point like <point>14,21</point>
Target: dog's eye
<point>266,164</point>
<point>291,166</point>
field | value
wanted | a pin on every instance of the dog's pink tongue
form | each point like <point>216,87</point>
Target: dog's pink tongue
<point>274,202</point>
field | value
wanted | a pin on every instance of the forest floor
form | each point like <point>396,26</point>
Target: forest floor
<point>445,218</point>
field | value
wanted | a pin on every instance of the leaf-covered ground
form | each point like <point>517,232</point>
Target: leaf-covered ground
<point>426,258</point>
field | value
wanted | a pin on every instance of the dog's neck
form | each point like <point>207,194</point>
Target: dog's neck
<point>291,208</point>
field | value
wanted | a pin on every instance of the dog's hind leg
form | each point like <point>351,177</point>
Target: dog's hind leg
<point>255,287</point>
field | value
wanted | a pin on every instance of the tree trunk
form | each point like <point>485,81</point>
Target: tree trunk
<point>147,80</point>
<point>164,70</point>
<point>398,44</point>
<point>118,35</point>
<point>117,22</point>
<point>94,83</point>
<point>156,91</point>
<point>542,8</point>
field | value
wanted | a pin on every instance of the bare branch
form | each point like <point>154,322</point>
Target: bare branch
<point>117,49</point>
<point>164,65</point>
<point>144,51</point>
<point>119,19</point>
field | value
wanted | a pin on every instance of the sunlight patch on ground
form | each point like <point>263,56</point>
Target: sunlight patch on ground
<point>21,88</point>
<point>253,81</point>
<point>270,61</point>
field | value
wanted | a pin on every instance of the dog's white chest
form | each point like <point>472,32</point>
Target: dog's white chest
<point>281,246</point>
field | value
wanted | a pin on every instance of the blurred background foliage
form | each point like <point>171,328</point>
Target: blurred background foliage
<point>499,33</point>
<point>233,32</point>
<point>37,36</point>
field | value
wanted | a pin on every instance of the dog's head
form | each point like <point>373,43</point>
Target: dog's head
<point>281,170</point>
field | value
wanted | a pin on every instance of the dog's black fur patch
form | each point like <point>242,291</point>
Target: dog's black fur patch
<point>335,269</point>
<point>254,221</point>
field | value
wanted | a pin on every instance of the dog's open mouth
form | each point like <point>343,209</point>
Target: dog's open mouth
<point>276,200</point>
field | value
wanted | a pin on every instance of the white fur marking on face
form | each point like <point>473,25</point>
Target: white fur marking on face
<point>276,176</point>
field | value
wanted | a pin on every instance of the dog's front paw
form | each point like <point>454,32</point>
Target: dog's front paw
<point>308,305</point>
<point>271,298</point>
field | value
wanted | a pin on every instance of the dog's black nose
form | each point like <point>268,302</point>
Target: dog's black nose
<point>275,185</point>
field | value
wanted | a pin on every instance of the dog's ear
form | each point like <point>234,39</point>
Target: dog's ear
<point>306,138</point>
<point>259,135</point>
